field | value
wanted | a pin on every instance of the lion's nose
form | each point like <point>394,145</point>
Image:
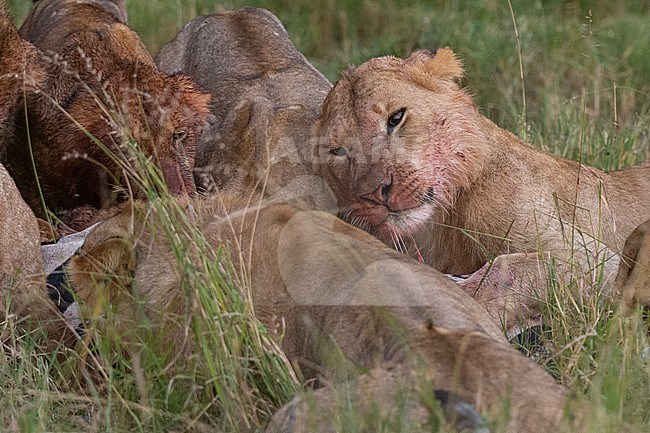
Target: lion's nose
<point>381,194</point>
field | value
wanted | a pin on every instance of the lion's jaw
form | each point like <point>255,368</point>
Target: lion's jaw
<point>389,226</point>
<point>395,198</point>
<point>395,181</point>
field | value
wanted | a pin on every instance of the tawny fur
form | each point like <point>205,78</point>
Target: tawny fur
<point>22,70</point>
<point>265,98</point>
<point>23,293</point>
<point>315,279</point>
<point>101,81</point>
<point>449,186</point>
<point>633,279</point>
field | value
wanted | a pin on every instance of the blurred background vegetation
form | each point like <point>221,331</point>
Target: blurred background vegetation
<point>586,64</point>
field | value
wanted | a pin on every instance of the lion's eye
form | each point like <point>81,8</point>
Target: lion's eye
<point>395,119</point>
<point>179,135</point>
<point>338,151</point>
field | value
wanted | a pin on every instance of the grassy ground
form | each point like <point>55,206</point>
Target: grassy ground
<point>572,77</point>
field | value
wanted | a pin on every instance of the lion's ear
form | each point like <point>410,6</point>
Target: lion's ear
<point>442,63</point>
<point>247,126</point>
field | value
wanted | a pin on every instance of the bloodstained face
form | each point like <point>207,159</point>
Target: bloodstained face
<point>391,142</point>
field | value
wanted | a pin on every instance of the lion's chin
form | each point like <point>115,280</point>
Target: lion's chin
<point>390,226</point>
<point>404,223</point>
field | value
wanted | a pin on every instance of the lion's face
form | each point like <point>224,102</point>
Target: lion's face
<point>396,142</point>
<point>170,126</point>
<point>164,114</point>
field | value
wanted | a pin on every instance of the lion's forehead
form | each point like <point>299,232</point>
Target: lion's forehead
<point>357,114</point>
<point>370,99</point>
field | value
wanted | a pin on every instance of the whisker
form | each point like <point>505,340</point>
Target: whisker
<point>401,245</point>
<point>417,249</point>
<point>345,216</point>
<point>357,221</point>
<point>364,224</point>
<point>392,238</point>
<point>427,195</point>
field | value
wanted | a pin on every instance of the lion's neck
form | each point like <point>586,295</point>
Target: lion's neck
<point>520,199</point>
<point>482,213</point>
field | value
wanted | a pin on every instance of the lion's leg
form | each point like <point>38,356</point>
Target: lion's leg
<point>511,288</point>
<point>514,288</point>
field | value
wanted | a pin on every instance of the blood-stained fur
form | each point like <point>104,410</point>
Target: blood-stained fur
<point>102,91</point>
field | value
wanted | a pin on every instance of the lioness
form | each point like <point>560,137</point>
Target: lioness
<point>102,89</point>
<point>265,98</point>
<point>412,161</point>
<point>315,279</point>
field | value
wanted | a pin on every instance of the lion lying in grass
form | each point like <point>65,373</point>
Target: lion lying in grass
<point>102,89</point>
<point>412,161</point>
<point>337,299</point>
<point>265,97</point>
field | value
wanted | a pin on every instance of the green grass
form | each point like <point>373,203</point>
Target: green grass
<point>586,81</point>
